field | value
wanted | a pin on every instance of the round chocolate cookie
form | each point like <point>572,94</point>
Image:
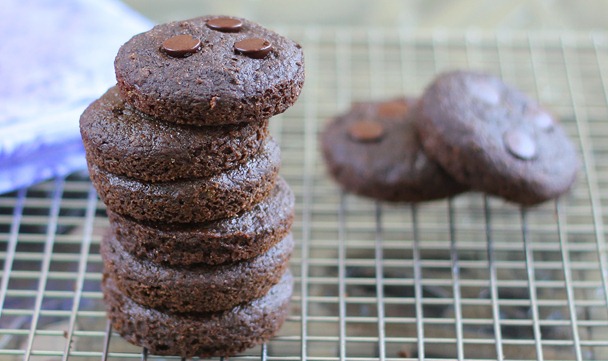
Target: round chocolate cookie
<point>373,150</point>
<point>204,72</point>
<point>494,138</point>
<point>200,288</point>
<point>226,240</point>
<point>220,196</point>
<point>124,141</point>
<point>223,333</point>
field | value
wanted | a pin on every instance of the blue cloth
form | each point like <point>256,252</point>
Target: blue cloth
<point>56,57</point>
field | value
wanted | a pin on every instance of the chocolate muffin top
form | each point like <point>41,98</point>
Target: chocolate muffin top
<point>373,150</point>
<point>198,200</point>
<point>198,288</point>
<point>210,70</point>
<point>494,138</point>
<point>223,333</point>
<point>225,240</point>
<point>125,141</point>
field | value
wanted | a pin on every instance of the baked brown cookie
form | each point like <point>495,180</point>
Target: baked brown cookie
<point>225,240</point>
<point>200,288</point>
<point>202,72</point>
<point>373,150</point>
<point>494,138</point>
<point>198,200</point>
<point>223,333</point>
<point>124,141</point>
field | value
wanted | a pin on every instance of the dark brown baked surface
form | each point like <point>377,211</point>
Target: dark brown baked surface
<point>195,263</point>
<point>223,333</point>
<point>220,196</point>
<point>214,84</point>
<point>373,150</point>
<point>200,288</point>
<point>490,136</point>
<point>124,141</point>
<point>225,240</point>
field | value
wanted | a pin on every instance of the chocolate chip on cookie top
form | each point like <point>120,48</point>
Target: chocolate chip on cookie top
<point>494,138</point>
<point>520,144</point>
<point>227,25</point>
<point>395,108</point>
<point>181,46</point>
<point>483,91</point>
<point>255,48</point>
<point>366,131</point>
<point>209,71</point>
<point>543,121</point>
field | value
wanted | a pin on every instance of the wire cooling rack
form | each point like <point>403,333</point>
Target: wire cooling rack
<point>470,278</point>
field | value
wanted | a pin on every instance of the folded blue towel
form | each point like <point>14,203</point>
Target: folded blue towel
<point>57,57</point>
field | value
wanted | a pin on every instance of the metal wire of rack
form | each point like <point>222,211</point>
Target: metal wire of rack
<point>469,278</point>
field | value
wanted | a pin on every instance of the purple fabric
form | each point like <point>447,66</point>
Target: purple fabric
<point>56,58</point>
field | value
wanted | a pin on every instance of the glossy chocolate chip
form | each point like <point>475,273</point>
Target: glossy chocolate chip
<point>255,48</point>
<point>226,25</point>
<point>366,131</point>
<point>520,144</point>
<point>392,109</point>
<point>543,120</point>
<point>484,91</point>
<point>181,46</point>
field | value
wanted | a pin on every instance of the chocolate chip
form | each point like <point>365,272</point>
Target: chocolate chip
<point>181,46</point>
<point>366,131</point>
<point>392,109</point>
<point>543,120</point>
<point>225,25</point>
<point>255,48</point>
<point>520,144</point>
<point>485,92</point>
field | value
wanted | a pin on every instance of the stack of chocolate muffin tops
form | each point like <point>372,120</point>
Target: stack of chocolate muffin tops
<point>179,151</point>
